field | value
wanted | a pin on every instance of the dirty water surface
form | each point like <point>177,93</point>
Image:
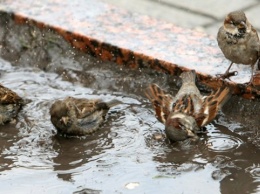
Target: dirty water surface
<point>124,155</point>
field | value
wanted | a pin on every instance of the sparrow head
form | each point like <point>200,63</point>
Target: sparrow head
<point>58,112</point>
<point>236,23</point>
<point>180,126</point>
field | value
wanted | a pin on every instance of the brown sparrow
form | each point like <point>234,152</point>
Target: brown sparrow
<point>238,41</point>
<point>184,114</point>
<point>10,104</point>
<point>79,116</point>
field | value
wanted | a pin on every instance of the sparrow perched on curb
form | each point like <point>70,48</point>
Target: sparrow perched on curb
<point>184,114</point>
<point>79,116</point>
<point>10,104</point>
<point>239,42</point>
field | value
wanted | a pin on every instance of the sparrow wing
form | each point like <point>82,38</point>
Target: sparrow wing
<point>211,105</point>
<point>83,107</point>
<point>162,102</point>
<point>7,96</point>
<point>184,105</point>
<point>254,40</point>
<point>87,107</point>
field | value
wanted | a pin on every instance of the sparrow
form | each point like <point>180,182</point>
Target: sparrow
<point>10,104</point>
<point>239,42</point>
<point>184,114</point>
<point>79,116</point>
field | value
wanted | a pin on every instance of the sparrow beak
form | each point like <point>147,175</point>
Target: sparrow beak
<point>190,133</point>
<point>64,120</point>
<point>242,25</point>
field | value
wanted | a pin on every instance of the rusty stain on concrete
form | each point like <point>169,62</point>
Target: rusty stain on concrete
<point>132,40</point>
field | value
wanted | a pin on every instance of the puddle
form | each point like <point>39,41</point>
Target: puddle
<point>129,153</point>
<point>123,156</point>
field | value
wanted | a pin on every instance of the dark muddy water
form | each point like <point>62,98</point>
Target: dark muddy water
<point>123,156</point>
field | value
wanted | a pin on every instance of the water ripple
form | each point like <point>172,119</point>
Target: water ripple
<point>254,171</point>
<point>224,143</point>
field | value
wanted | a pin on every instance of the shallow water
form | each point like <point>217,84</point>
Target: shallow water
<point>123,156</point>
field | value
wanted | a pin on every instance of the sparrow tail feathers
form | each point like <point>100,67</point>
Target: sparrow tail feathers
<point>188,77</point>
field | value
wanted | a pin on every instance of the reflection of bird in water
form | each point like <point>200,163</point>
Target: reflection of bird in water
<point>10,104</point>
<point>239,42</point>
<point>184,114</point>
<point>79,116</point>
<point>75,154</point>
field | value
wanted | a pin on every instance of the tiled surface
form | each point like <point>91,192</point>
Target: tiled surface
<point>111,33</point>
<point>205,16</point>
<point>159,11</point>
<point>214,8</point>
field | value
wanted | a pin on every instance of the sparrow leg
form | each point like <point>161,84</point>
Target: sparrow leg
<point>227,74</point>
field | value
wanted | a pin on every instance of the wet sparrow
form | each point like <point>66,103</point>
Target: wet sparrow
<point>184,114</point>
<point>10,104</point>
<point>79,116</point>
<point>238,41</point>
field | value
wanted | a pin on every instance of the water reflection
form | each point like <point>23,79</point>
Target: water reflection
<point>8,136</point>
<point>129,152</point>
<point>224,155</point>
<point>74,152</point>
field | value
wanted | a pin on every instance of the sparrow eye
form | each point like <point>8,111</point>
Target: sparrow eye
<point>182,127</point>
<point>231,22</point>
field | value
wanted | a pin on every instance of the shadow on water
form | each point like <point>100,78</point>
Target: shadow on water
<point>125,155</point>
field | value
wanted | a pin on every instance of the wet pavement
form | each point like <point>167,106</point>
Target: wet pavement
<point>129,153</point>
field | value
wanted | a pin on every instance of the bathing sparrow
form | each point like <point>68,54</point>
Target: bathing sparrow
<point>79,116</point>
<point>239,42</point>
<point>184,114</point>
<point>10,104</point>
